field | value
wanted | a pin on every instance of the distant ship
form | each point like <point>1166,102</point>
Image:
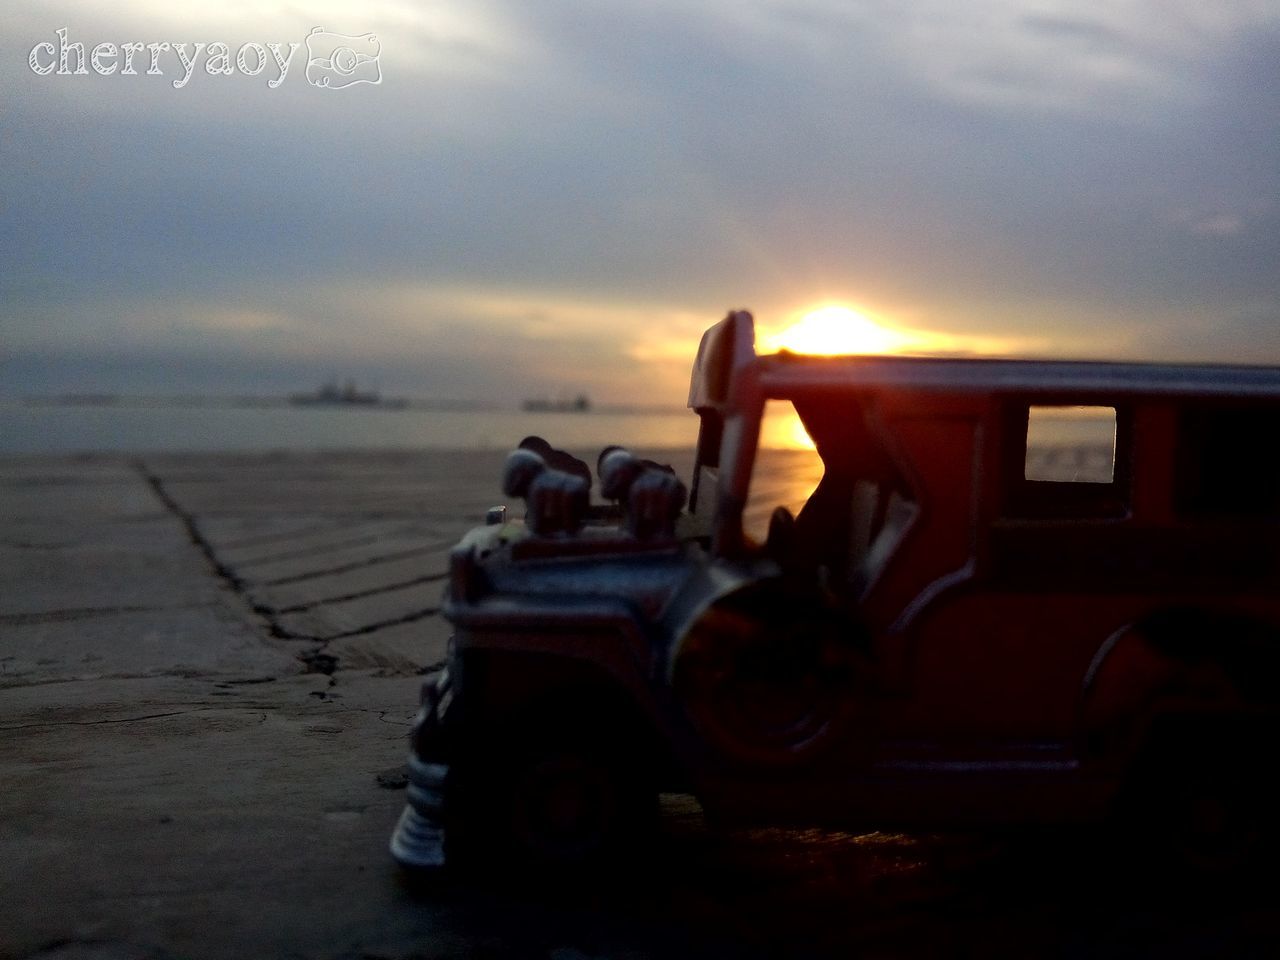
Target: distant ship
<point>345,396</point>
<point>579,404</point>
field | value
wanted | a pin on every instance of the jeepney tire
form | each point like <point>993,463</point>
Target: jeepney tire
<point>1197,804</point>
<point>568,801</point>
<point>773,695</point>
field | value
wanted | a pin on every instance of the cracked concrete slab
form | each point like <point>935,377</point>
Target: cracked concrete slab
<point>174,778</point>
<point>228,824</point>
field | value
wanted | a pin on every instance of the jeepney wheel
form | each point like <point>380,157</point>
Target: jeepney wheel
<point>765,688</point>
<point>557,799</point>
<point>1197,803</point>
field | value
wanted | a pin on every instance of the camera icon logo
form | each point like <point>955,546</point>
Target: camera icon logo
<point>335,60</point>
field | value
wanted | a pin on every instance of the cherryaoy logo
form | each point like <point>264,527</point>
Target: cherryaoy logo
<point>334,60</point>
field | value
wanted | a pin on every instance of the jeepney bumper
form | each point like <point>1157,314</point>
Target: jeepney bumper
<point>418,840</point>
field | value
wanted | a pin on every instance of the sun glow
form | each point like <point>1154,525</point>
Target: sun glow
<point>782,429</point>
<point>835,330</point>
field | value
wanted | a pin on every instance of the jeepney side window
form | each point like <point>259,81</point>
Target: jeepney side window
<point>1225,466</point>
<point>1070,444</point>
<point>1065,460</point>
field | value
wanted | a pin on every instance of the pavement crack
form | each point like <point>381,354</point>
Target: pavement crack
<point>228,576</point>
<point>62,616</point>
<point>383,624</point>
<point>189,521</point>
<point>319,660</point>
<point>110,720</point>
<point>359,594</point>
<point>272,538</point>
<point>358,564</point>
<point>315,659</point>
<point>280,632</point>
<point>314,550</point>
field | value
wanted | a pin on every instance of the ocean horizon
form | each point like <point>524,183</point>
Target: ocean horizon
<point>66,425</point>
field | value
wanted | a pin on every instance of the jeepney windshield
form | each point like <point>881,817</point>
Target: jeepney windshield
<point>786,470</point>
<point>846,499</point>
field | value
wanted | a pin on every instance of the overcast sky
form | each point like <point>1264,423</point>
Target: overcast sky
<point>551,197</point>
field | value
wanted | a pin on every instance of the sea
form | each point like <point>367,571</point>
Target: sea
<point>138,427</point>
<point>63,427</point>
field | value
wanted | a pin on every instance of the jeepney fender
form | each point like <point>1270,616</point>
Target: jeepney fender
<point>607,639</point>
<point>711,584</point>
<point>1129,683</point>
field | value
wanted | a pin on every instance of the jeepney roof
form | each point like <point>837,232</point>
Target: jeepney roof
<point>727,356</point>
<point>787,373</point>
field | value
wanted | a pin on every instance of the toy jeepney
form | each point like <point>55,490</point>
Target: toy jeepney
<point>954,630</point>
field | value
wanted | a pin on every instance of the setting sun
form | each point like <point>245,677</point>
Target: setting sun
<point>833,329</point>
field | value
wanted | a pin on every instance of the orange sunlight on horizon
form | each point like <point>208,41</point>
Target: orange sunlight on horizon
<point>833,330</point>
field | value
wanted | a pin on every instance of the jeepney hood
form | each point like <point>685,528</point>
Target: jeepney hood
<point>508,565</point>
<point>662,585</point>
<point>636,557</point>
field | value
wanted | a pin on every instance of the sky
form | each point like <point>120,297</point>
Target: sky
<point>543,199</point>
